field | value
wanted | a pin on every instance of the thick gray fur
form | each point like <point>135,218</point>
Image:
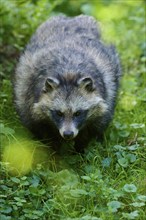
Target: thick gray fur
<point>60,47</point>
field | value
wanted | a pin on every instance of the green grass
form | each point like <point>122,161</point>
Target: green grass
<point>109,180</point>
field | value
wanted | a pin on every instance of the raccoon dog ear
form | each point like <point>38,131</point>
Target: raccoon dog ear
<point>87,84</point>
<point>51,84</point>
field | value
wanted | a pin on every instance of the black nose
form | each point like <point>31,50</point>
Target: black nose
<point>68,135</point>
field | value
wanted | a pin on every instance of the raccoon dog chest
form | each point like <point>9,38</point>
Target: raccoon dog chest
<point>66,81</point>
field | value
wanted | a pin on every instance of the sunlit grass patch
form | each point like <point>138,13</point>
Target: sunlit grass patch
<point>18,157</point>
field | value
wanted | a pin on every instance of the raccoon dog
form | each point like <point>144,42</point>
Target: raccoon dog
<point>66,81</point>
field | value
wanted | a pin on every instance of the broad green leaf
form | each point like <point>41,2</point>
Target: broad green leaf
<point>78,192</point>
<point>130,188</point>
<point>136,125</point>
<point>142,198</point>
<point>114,206</point>
<point>123,162</point>
<point>138,204</point>
<point>131,215</point>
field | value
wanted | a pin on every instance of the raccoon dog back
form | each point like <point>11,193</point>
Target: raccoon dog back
<point>66,81</point>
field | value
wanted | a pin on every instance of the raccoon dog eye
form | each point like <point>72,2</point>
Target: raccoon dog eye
<point>59,113</point>
<point>78,113</point>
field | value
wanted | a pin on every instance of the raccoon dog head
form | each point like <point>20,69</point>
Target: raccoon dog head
<point>69,103</point>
